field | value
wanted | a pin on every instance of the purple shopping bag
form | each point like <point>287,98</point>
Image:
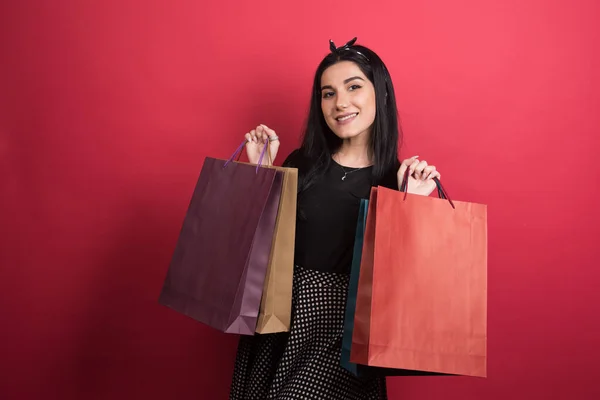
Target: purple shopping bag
<point>218,269</point>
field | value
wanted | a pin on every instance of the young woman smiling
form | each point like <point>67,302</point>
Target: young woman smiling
<point>350,144</point>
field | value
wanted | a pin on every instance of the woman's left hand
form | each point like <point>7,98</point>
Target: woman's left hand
<point>420,178</point>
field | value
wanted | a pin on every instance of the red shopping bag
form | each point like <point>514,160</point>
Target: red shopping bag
<point>422,295</point>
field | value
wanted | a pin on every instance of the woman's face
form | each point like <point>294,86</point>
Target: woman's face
<point>347,100</point>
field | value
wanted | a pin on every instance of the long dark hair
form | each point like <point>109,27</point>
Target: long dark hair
<point>319,143</point>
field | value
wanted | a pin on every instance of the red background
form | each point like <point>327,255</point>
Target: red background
<point>108,110</point>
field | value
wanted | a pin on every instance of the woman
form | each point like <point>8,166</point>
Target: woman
<point>350,144</point>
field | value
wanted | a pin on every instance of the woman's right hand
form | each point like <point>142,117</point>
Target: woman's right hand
<point>255,143</point>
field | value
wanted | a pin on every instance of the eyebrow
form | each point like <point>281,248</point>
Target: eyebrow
<point>345,82</point>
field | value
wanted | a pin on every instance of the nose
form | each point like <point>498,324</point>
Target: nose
<point>342,101</point>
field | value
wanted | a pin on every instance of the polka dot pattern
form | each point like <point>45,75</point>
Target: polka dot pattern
<point>305,362</point>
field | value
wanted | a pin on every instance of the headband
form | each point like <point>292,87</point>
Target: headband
<point>347,46</point>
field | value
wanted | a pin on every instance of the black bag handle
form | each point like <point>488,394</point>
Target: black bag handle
<point>442,193</point>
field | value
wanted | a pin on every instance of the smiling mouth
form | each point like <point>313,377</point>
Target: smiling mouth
<point>346,117</point>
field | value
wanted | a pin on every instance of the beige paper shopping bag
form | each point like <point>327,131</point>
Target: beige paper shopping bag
<point>276,305</point>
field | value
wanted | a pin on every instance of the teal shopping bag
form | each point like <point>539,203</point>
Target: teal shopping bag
<point>353,289</point>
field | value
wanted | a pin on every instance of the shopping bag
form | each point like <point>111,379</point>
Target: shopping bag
<point>217,272</point>
<point>276,305</point>
<point>360,370</point>
<point>352,290</point>
<point>422,294</point>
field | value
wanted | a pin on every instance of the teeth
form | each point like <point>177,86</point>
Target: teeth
<point>347,117</point>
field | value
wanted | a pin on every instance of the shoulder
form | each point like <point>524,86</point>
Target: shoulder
<point>294,159</point>
<point>298,159</point>
<point>390,180</point>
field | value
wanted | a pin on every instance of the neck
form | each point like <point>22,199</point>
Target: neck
<point>354,152</point>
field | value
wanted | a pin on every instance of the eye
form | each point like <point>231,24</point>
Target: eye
<point>354,87</point>
<point>327,95</point>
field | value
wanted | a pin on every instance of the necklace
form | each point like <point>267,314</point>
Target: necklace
<point>348,172</point>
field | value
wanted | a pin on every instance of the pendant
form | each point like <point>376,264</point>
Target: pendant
<point>344,177</point>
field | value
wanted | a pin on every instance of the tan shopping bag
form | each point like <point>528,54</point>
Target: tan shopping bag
<point>276,305</point>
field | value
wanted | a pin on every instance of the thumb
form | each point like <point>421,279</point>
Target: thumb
<point>402,170</point>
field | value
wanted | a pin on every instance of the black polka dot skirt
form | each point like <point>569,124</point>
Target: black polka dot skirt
<point>305,362</point>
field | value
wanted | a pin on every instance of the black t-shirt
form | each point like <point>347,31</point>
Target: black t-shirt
<point>328,214</point>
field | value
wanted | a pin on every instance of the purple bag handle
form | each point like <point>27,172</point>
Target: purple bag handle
<point>442,193</point>
<point>238,153</point>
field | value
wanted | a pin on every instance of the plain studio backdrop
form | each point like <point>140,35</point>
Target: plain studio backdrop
<point>109,108</point>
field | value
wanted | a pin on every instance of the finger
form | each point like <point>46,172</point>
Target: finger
<point>262,133</point>
<point>403,166</point>
<point>428,171</point>
<point>421,166</point>
<point>409,161</point>
<point>270,132</point>
<point>402,170</point>
<point>406,168</point>
<point>248,138</point>
<point>258,135</point>
<point>419,170</point>
<point>253,135</point>
<point>413,167</point>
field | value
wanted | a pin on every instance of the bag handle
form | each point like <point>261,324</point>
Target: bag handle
<point>442,193</point>
<point>239,150</point>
